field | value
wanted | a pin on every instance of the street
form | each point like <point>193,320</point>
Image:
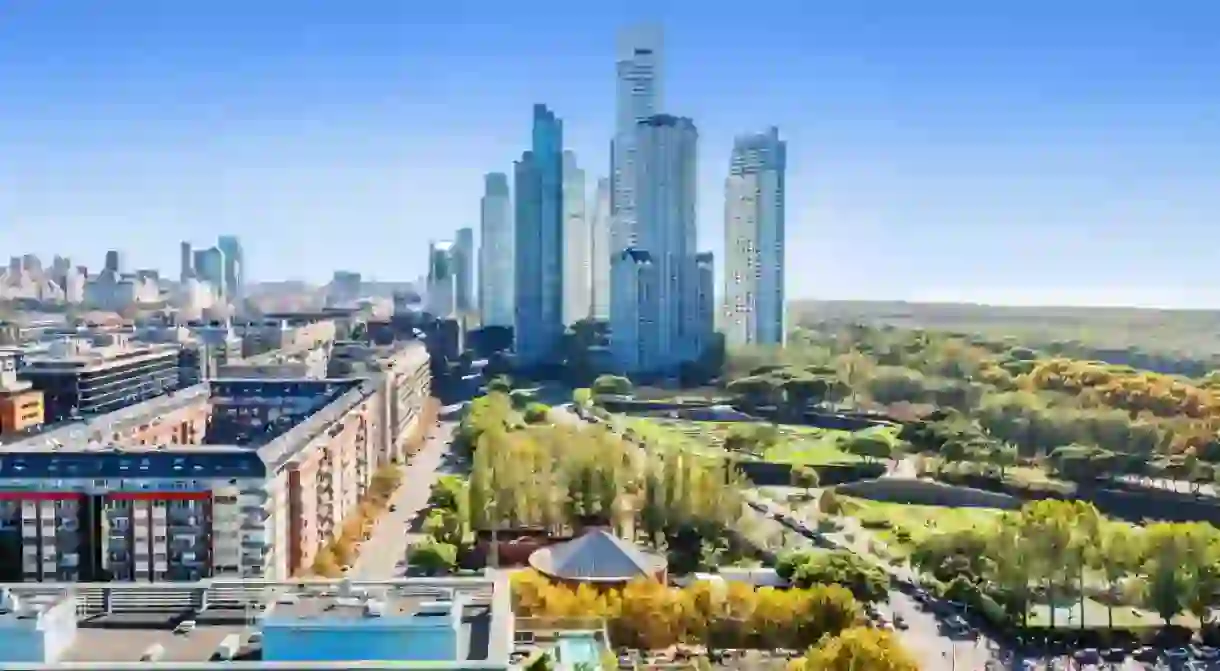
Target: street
<point>382,555</point>
<point>923,638</point>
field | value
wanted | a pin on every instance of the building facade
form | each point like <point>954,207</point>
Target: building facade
<point>242,478</point>
<point>234,268</point>
<point>754,277</point>
<point>463,269</point>
<point>638,96</point>
<point>77,378</point>
<point>577,288</point>
<point>538,267</point>
<point>600,251</point>
<point>496,279</point>
<point>442,279</point>
<point>635,312</point>
<point>665,210</point>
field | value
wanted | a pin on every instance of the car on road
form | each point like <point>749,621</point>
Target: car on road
<point>185,627</point>
<point>901,622</point>
<point>393,508</point>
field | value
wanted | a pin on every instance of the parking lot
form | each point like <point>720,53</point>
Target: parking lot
<point>124,637</point>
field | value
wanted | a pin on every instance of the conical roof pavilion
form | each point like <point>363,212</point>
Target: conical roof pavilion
<point>597,556</point>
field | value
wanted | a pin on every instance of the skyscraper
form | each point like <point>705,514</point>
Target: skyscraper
<point>664,175</point>
<point>441,300</point>
<point>538,263</point>
<point>496,277</point>
<point>186,262</point>
<point>638,97</point>
<point>600,251</point>
<point>210,267</point>
<point>754,241</point>
<point>235,268</point>
<point>114,262</point>
<point>576,241</point>
<point>463,271</point>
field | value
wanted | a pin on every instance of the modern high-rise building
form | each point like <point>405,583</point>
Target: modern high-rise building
<point>463,269</point>
<point>665,210</point>
<point>638,97</point>
<point>235,267</point>
<point>210,267</point>
<point>186,263</point>
<point>704,309</point>
<point>601,251</point>
<point>577,280</point>
<point>114,262</point>
<point>754,241</point>
<point>538,265</point>
<point>496,235</point>
<point>635,311</point>
<point>442,281</point>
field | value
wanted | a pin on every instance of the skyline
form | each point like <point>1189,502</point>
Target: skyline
<point>963,155</point>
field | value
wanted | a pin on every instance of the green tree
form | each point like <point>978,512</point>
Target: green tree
<point>433,558</point>
<point>612,385</point>
<point>806,478</point>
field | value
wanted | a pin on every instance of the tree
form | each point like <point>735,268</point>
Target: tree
<point>433,558</point>
<point>614,385</point>
<point>444,526</point>
<point>501,384</point>
<point>537,413</point>
<point>869,445</point>
<point>325,564</point>
<point>806,478</point>
<point>857,649</point>
<point>1115,557</point>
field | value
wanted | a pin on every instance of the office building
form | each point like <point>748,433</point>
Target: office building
<point>538,266</point>
<point>186,262</point>
<point>704,318</point>
<point>638,96</point>
<point>235,267</point>
<point>448,623</point>
<point>114,262</point>
<point>496,256</point>
<point>665,193</point>
<point>77,377</point>
<point>442,280</point>
<point>600,251</point>
<point>577,242</point>
<point>238,477</point>
<point>210,267</point>
<point>20,404</point>
<point>754,241</point>
<point>635,312</point>
<point>463,269</point>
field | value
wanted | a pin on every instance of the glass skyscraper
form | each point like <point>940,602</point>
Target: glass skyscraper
<point>539,248</point>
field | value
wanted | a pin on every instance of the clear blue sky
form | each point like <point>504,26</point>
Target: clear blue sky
<point>1043,152</point>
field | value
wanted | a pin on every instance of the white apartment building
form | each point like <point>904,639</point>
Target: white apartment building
<point>496,252</point>
<point>754,307</point>
<point>600,251</point>
<point>577,243</point>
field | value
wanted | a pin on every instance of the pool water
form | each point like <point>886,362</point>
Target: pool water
<point>574,649</point>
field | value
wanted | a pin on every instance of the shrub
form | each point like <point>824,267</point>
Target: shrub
<point>433,558</point>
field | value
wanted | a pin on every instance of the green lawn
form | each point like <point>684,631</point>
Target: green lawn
<point>797,444</point>
<point>899,525</point>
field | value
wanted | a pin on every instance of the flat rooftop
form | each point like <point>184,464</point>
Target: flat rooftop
<point>124,637</point>
<point>394,603</point>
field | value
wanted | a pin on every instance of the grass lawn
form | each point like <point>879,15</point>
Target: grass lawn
<point>900,526</point>
<point>797,444</point>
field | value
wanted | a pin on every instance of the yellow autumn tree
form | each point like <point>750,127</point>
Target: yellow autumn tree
<point>855,649</point>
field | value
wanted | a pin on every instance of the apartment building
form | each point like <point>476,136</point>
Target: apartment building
<point>243,478</point>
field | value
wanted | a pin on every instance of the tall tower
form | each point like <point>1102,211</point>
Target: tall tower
<point>538,267</point>
<point>665,161</point>
<point>600,251</point>
<point>754,240</point>
<point>463,259</point>
<point>442,283</point>
<point>496,252</point>
<point>186,262</point>
<point>638,96</point>
<point>235,267</point>
<point>576,276</point>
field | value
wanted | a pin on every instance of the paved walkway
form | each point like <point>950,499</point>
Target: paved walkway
<point>381,556</point>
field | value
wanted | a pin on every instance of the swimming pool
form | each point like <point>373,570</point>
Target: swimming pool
<point>578,648</point>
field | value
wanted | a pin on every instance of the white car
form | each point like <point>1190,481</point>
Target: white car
<point>185,627</point>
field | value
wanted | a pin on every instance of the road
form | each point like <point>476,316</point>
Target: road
<point>382,555</point>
